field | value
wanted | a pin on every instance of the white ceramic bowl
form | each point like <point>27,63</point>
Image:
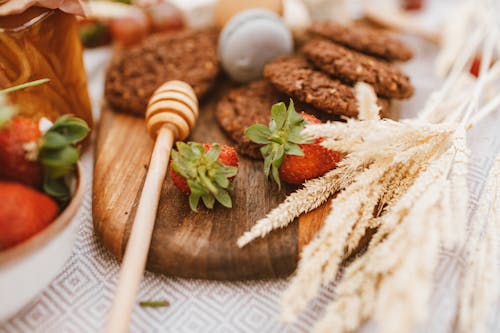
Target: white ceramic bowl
<point>28,267</point>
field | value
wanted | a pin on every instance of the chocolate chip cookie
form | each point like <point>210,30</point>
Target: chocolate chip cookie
<point>295,77</point>
<point>135,73</point>
<point>363,39</point>
<point>351,67</point>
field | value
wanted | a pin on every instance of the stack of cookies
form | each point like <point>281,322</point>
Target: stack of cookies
<point>320,79</point>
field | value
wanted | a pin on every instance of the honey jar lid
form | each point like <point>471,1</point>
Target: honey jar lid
<point>10,7</point>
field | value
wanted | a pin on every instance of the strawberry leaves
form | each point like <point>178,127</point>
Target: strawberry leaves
<point>207,178</point>
<point>258,133</point>
<point>59,155</point>
<point>281,138</point>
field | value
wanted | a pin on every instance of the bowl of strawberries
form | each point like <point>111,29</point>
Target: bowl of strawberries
<point>41,189</point>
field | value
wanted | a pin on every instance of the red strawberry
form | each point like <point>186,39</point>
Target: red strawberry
<point>130,29</point>
<point>27,157</point>
<point>204,171</point>
<point>475,66</point>
<point>289,155</point>
<point>15,163</point>
<point>179,180</point>
<point>412,4</point>
<point>30,158</point>
<point>164,16</point>
<point>23,213</point>
<point>317,161</point>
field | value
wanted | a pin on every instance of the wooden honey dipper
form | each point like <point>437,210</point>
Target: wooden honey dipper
<point>171,115</point>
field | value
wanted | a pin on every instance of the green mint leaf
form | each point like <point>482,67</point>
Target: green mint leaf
<point>53,140</point>
<point>59,157</point>
<point>73,129</point>
<point>59,171</point>
<point>258,133</point>
<point>69,120</point>
<point>57,188</point>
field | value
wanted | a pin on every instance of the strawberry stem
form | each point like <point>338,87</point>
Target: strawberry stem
<point>207,177</point>
<point>24,86</point>
<point>205,181</point>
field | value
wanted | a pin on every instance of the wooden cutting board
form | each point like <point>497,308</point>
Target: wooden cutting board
<point>187,244</point>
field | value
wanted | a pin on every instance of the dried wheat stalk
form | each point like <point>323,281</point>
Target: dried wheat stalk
<point>407,179</point>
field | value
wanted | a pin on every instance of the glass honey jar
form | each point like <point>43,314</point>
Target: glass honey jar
<point>44,43</point>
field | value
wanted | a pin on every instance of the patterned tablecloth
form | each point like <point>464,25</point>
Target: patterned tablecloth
<point>79,298</point>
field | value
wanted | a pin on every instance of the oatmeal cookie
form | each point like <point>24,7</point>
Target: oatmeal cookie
<point>135,73</point>
<point>363,39</point>
<point>351,67</point>
<point>295,77</point>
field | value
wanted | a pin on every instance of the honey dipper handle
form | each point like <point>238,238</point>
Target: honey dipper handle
<point>134,260</point>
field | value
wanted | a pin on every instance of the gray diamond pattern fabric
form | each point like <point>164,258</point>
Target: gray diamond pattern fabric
<point>79,299</point>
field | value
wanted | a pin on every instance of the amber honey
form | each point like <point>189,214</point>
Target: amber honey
<point>41,43</point>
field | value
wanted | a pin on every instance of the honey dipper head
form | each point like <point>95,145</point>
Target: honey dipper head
<point>173,104</point>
